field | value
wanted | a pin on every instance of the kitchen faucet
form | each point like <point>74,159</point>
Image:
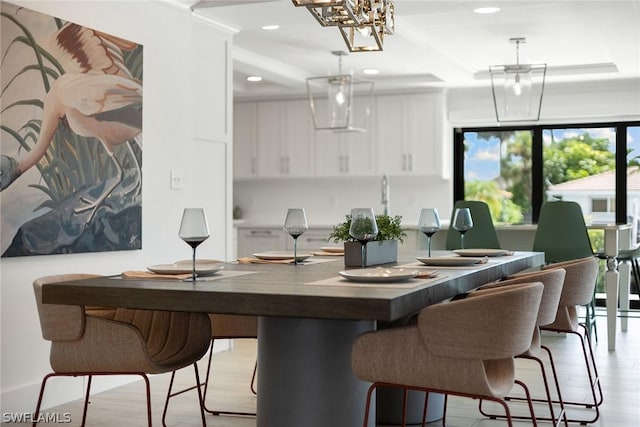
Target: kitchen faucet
<point>385,194</point>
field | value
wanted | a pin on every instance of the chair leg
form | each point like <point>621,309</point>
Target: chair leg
<point>534,420</point>
<point>562,416</point>
<point>405,391</point>
<point>367,406</point>
<point>424,410</point>
<point>253,379</point>
<point>206,388</point>
<point>446,393</point>
<point>36,413</point>
<point>200,395</point>
<point>148,392</point>
<point>86,401</point>
<point>592,374</point>
<point>170,395</point>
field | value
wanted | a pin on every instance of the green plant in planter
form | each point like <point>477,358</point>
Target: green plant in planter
<point>388,229</point>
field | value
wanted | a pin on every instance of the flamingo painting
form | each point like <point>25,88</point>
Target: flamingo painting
<point>102,106</point>
<point>94,100</point>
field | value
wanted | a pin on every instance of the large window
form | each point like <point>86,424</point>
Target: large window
<point>497,170</point>
<point>516,169</point>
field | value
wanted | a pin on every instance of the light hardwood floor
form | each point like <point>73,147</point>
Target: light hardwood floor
<point>619,374</point>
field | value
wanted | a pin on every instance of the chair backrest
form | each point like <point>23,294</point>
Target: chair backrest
<point>491,325</point>
<point>59,322</point>
<point>579,281</point>
<point>482,235</point>
<point>553,281</point>
<point>562,233</point>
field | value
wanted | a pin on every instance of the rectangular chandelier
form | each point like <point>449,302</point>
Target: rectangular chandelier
<point>334,104</point>
<point>517,89</point>
<point>362,23</point>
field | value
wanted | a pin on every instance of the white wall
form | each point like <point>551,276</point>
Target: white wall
<point>186,126</point>
<point>327,199</point>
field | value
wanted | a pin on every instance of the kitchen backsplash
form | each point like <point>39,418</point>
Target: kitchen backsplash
<point>327,200</point>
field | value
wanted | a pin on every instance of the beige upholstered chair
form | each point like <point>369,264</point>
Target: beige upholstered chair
<point>224,326</point>
<point>464,347</point>
<point>578,290</point>
<point>89,342</point>
<point>553,281</point>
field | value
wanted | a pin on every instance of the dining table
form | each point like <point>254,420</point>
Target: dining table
<point>308,318</point>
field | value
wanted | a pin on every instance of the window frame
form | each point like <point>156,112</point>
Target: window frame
<point>537,160</point>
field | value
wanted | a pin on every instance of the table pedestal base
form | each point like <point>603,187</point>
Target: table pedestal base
<point>304,373</point>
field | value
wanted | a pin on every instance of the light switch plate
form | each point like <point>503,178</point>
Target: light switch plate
<point>176,179</point>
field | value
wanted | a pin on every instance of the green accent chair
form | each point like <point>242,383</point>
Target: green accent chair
<point>482,235</point>
<point>562,236</point>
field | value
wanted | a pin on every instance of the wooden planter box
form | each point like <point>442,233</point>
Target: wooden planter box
<point>380,252</point>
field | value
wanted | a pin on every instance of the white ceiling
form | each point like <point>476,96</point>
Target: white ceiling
<point>436,43</point>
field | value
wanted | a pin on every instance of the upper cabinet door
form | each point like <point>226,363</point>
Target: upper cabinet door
<point>409,134</point>
<point>244,140</point>
<point>390,125</point>
<point>299,139</point>
<point>284,137</point>
<point>270,137</point>
<point>424,134</point>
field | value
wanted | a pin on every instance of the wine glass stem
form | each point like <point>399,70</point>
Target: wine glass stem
<point>363,254</point>
<point>295,251</point>
<point>429,245</point>
<point>193,266</point>
<point>461,240</point>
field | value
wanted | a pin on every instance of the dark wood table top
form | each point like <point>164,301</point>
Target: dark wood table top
<point>283,290</point>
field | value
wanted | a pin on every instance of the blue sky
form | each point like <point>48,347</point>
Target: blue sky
<point>483,157</point>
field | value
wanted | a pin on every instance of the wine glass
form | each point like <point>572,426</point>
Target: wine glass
<point>363,228</point>
<point>295,224</point>
<point>429,224</point>
<point>194,230</point>
<point>462,222</point>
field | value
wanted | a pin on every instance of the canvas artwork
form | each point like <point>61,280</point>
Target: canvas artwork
<point>71,137</point>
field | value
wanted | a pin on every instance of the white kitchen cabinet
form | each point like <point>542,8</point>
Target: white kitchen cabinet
<point>409,134</point>
<point>284,136</point>
<point>298,138</point>
<point>244,140</point>
<point>345,153</point>
<point>268,238</point>
<point>261,239</point>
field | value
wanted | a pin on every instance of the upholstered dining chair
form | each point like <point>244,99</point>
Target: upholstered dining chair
<point>553,281</point>
<point>463,347</point>
<point>224,326</point>
<point>483,234</point>
<point>562,235</point>
<point>96,341</point>
<point>578,290</point>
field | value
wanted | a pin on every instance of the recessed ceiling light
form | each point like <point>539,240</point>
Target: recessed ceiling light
<point>370,71</point>
<point>486,10</point>
<point>270,27</point>
<point>254,78</point>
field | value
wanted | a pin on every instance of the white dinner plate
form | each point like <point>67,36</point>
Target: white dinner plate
<point>379,274</point>
<point>481,252</point>
<point>279,255</point>
<point>202,268</point>
<point>333,249</point>
<point>456,261</point>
